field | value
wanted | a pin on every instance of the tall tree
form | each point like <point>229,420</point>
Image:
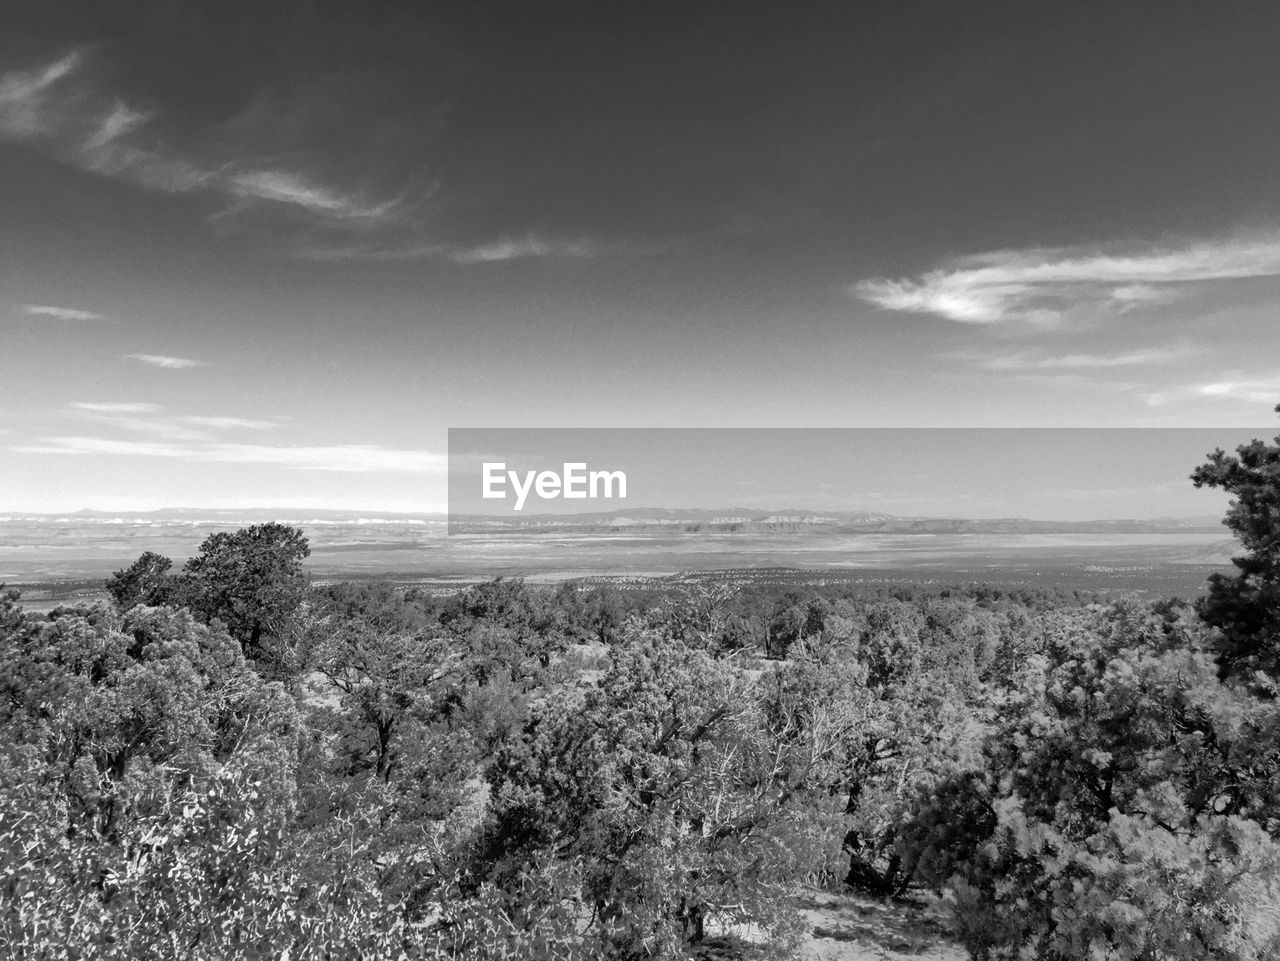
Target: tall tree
<point>1246,607</point>
<point>146,581</point>
<point>252,580</point>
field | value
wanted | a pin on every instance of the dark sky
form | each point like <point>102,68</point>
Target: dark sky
<point>266,253</point>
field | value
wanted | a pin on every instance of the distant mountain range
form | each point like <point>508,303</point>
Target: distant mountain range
<point>688,520</point>
<point>731,520</point>
<point>214,515</point>
<point>1171,555</point>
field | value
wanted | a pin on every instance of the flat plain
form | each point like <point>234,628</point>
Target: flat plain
<point>55,558</point>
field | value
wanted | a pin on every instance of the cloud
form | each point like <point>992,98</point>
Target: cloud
<point>139,419</point>
<point>59,313</point>
<point>166,362</point>
<point>125,417</point>
<point>497,251</point>
<point>232,423</point>
<point>356,458</point>
<point>1045,286</point>
<point>284,187</point>
<point>122,120</point>
<point>289,203</point>
<point>389,252</point>
<point>25,98</point>
<point>57,109</point>
<point>116,408</point>
<point>1029,360</point>
<point>1232,386</point>
<point>520,248</point>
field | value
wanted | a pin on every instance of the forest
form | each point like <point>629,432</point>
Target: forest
<point>231,762</point>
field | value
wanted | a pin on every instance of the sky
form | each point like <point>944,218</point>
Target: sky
<point>267,254</point>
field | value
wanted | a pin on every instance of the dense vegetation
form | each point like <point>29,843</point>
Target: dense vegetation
<point>229,762</point>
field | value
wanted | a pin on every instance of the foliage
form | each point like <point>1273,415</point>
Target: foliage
<point>229,763</point>
<point>663,793</point>
<point>1115,817</point>
<point>1246,607</point>
<point>250,580</point>
<point>540,623</point>
<point>146,581</point>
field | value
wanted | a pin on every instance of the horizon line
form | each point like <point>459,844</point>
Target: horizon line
<point>302,513</point>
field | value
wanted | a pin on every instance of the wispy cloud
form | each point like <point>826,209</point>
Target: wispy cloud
<point>1250,388</point>
<point>166,362</point>
<point>286,187</point>
<point>1036,361</point>
<point>497,251</point>
<point>113,407</point>
<point>25,98</point>
<point>341,458</point>
<point>199,438</point>
<point>56,108</point>
<point>1045,286</point>
<point>522,247</point>
<point>139,418</point>
<point>59,313</point>
<point>232,423</point>
<point>304,213</point>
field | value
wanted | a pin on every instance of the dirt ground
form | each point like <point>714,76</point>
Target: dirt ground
<point>847,927</point>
